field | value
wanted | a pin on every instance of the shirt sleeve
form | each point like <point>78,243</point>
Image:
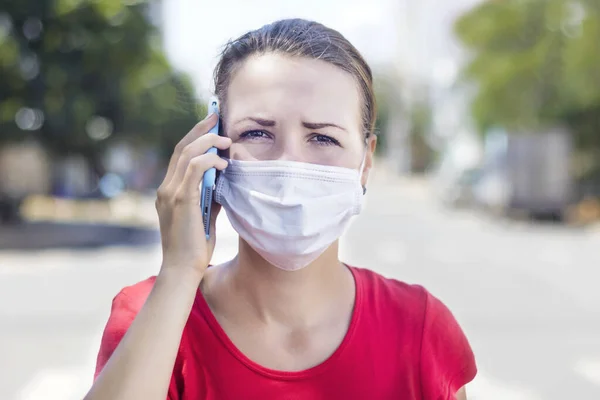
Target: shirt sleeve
<point>447,361</point>
<point>123,312</point>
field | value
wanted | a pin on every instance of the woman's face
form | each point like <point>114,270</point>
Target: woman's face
<point>296,109</point>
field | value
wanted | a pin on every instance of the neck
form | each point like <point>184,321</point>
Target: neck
<point>297,298</point>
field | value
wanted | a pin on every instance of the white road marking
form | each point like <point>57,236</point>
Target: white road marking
<point>55,384</point>
<point>485,387</point>
<point>589,369</point>
<point>20,262</point>
<point>65,383</point>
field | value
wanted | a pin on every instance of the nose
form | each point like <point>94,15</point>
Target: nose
<point>290,148</point>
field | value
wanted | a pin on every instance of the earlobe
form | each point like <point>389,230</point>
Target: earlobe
<point>368,161</point>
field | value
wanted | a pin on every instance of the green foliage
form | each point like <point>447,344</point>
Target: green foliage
<point>93,67</point>
<point>384,98</point>
<point>536,63</point>
<point>422,155</point>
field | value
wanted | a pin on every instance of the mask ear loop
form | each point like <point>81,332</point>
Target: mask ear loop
<point>362,164</point>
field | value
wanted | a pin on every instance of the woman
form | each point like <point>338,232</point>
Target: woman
<point>285,319</point>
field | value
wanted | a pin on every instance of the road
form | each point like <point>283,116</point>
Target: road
<point>527,296</point>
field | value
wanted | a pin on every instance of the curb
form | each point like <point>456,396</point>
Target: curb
<point>38,236</point>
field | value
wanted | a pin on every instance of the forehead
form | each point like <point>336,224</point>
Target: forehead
<point>282,86</point>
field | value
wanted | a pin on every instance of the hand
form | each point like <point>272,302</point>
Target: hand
<point>184,244</point>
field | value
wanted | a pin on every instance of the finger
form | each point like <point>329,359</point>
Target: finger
<point>197,131</point>
<point>197,148</point>
<point>190,186</point>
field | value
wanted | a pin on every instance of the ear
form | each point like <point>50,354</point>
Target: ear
<point>371,146</point>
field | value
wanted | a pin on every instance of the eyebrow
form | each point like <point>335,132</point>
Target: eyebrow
<point>314,125</point>
<point>308,125</point>
<point>260,121</point>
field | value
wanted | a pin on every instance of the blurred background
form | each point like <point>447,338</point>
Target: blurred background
<point>486,190</point>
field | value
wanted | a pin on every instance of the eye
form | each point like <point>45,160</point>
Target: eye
<point>255,135</point>
<point>324,140</point>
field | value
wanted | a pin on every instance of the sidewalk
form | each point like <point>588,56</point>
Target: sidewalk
<point>128,220</point>
<point>383,175</point>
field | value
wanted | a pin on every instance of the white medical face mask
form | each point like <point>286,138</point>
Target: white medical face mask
<point>289,212</point>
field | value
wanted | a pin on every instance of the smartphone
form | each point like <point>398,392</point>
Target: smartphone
<point>207,186</point>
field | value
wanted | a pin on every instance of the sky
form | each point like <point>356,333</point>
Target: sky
<point>195,30</point>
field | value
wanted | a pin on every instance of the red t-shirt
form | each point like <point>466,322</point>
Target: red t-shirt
<point>402,343</point>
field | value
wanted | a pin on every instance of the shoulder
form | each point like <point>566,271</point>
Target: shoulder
<point>401,300</point>
<point>133,297</point>
<point>393,294</point>
<point>446,360</point>
<point>125,306</point>
<point>400,295</point>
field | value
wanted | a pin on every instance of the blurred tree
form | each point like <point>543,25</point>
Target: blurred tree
<point>536,63</point>
<point>392,104</point>
<point>384,97</point>
<point>422,154</point>
<point>78,74</point>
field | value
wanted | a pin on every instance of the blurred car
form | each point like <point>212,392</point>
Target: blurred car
<point>25,170</point>
<point>457,172</point>
<point>459,192</point>
<point>528,173</point>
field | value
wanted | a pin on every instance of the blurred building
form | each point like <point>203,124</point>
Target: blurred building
<point>155,14</point>
<point>428,52</point>
<point>25,168</point>
<point>428,59</point>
